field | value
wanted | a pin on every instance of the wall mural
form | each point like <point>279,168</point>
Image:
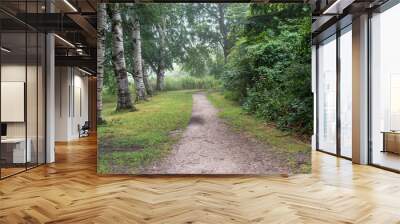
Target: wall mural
<point>204,88</point>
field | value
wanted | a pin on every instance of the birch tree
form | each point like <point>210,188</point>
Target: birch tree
<point>137,59</point>
<point>161,29</point>
<point>118,60</point>
<point>101,41</point>
<point>149,89</point>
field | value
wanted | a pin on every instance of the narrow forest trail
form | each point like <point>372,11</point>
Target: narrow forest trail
<point>209,146</point>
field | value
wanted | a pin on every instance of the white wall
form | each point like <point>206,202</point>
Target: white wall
<point>71,102</point>
<point>80,102</point>
<point>62,82</point>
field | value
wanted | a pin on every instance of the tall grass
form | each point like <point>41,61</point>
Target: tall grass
<point>189,82</point>
<point>172,83</point>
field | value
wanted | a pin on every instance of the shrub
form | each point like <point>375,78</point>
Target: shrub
<point>269,69</point>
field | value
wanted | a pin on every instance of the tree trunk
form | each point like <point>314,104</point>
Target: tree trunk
<point>101,41</point>
<point>146,81</point>
<point>160,79</point>
<point>118,59</point>
<point>137,60</point>
<point>161,67</point>
<point>223,30</point>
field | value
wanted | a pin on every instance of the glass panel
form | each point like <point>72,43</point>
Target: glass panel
<point>13,86</point>
<point>32,98</point>
<point>346,93</point>
<point>23,89</point>
<point>327,95</point>
<point>385,91</point>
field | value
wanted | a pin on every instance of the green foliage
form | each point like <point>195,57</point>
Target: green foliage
<point>296,153</point>
<point>193,39</point>
<point>146,133</point>
<point>269,68</point>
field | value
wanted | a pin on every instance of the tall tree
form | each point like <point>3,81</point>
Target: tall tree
<point>118,59</point>
<point>101,41</point>
<point>161,29</point>
<point>149,89</point>
<point>223,29</point>
<point>156,49</point>
<point>212,31</point>
<point>137,59</point>
<point>162,34</point>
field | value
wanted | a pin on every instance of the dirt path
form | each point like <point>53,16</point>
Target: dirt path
<point>209,146</point>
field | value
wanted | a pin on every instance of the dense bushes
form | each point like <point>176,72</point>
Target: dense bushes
<point>269,69</point>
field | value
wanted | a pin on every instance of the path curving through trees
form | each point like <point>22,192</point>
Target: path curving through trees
<point>209,146</point>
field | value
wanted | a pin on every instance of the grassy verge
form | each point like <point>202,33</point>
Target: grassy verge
<point>189,82</point>
<point>130,140</point>
<point>286,145</point>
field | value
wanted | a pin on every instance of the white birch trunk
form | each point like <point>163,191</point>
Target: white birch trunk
<point>161,67</point>
<point>101,41</point>
<point>149,89</point>
<point>118,58</point>
<point>137,60</point>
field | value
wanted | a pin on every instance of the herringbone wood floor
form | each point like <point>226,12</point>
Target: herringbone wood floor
<point>69,191</point>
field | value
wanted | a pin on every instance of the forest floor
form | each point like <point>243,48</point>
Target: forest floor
<point>209,146</point>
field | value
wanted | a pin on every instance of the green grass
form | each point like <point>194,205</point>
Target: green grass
<point>148,130</point>
<point>285,144</point>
